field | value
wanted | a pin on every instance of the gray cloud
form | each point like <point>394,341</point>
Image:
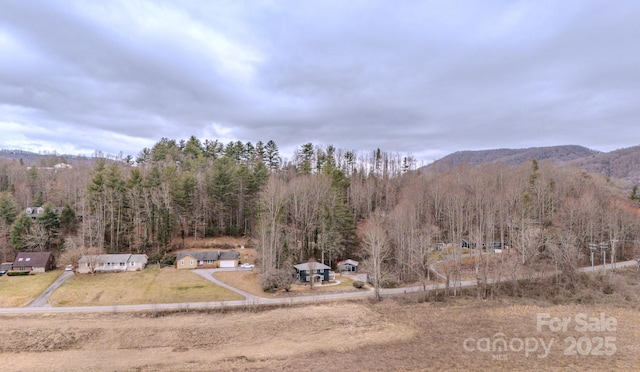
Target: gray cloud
<point>424,78</point>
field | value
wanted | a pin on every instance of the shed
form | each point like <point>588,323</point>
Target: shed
<point>348,265</point>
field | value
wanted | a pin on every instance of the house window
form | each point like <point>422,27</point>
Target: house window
<point>28,259</point>
<point>20,259</point>
<point>131,264</point>
<point>182,263</point>
<point>190,262</point>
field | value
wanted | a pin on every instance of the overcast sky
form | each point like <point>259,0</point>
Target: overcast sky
<point>422,77</point>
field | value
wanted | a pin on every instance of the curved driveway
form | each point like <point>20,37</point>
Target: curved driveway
<point>43,299</point>
<point>208,274</point>
<point>254,300</point>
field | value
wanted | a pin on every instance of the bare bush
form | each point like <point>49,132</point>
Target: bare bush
<point>273,280</point>
<point>358,284</point>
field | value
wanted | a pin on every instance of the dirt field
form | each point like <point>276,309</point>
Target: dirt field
<point>396,334</point>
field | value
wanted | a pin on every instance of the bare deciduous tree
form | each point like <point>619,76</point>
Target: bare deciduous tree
<point>376,244</point>
<point>270,223</point>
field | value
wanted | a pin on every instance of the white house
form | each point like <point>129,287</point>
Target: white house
<point>112,263</point>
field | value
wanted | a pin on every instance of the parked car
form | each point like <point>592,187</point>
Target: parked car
<point>68,268</point>
<point>247,266</point>
<point>2,272</point>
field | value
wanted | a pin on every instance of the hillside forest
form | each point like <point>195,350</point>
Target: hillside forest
<point>323,204</point>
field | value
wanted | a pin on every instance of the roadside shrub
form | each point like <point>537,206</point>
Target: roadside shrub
<point>358,284</point>
<point>18,273</point>
<point>168,259</point>
<point>388,283</point>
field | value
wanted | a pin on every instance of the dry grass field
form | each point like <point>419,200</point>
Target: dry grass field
<point>396,334</point>
<point>18,291</point>
<point>245,280</point>
<point>149,286</point>
<point>221,242</point>
<point>497,265</point>
<point>584,323</point>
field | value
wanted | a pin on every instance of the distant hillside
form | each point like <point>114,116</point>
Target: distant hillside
<point>32,158</point>
<point>560,154</point>
<point>18,154</point>
<point>621,165</point>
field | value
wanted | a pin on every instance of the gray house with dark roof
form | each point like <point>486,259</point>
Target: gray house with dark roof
<point>316,271</point>
<point>34,212</point>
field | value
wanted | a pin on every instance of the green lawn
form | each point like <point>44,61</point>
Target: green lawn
<point>149,286</point>
<point>18,291</point>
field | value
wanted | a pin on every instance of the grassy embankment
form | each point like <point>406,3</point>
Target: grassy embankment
<point>18,291</point>
<point>150,286</point>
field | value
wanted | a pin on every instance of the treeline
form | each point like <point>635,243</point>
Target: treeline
<point>546,213</point>
<point>181,189</point>
<point>323,203</point>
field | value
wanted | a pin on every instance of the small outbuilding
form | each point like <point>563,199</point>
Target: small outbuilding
<point>348,265</point>
<point>467,244</point>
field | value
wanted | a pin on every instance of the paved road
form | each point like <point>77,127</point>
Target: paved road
<point>43,299</point>
<point>255,300</point>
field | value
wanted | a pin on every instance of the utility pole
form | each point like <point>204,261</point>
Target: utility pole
<point>613,253</point>
<point>592,248</point>
<point>603,248</point>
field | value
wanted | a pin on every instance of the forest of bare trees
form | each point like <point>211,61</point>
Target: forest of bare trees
<point>323,204</point>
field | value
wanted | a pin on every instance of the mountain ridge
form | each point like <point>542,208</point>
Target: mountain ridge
<point>622,165</point>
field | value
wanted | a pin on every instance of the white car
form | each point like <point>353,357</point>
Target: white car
<point>247,266</point>
<point>68,268</point>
